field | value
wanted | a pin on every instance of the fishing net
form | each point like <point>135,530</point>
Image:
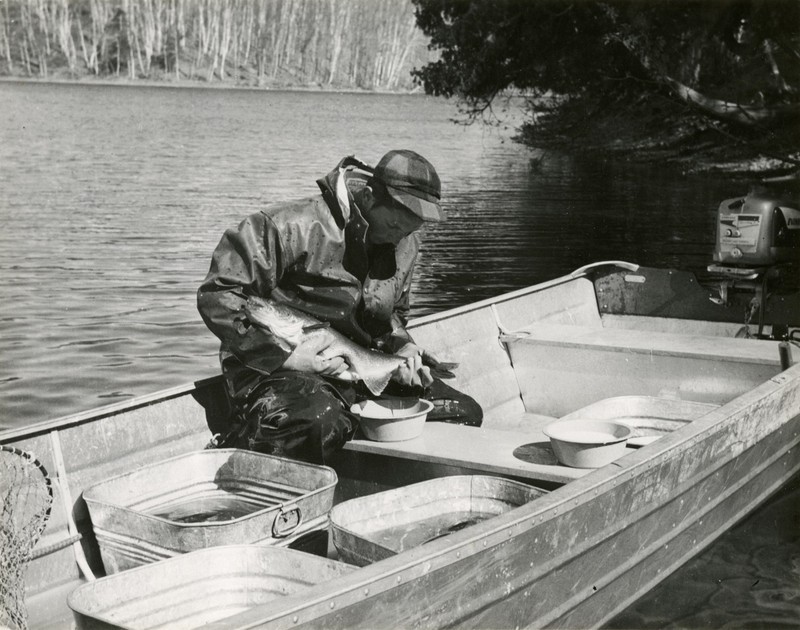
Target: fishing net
<point>27,494</point>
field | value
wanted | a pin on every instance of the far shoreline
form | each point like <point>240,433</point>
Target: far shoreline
<point>206,85</point>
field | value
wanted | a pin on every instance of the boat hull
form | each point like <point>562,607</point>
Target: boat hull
<point>581,555</point>
<point>575,557</point>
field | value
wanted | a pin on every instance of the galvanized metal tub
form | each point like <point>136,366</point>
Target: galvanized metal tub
<point>205,499</point>
<point>199,587</point>
<point>374,527</point>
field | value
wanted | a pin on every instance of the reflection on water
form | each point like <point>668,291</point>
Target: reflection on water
<point>749,578</point>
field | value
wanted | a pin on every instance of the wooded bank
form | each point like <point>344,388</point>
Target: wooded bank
<point>684,81</point>
<point>369,44</point>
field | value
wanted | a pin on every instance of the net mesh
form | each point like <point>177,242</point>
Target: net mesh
<point>27,494</point>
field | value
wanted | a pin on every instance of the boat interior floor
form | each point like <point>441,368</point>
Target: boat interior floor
<point>47,610</point>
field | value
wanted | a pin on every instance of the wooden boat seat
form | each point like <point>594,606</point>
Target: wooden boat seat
<point>521,454</point>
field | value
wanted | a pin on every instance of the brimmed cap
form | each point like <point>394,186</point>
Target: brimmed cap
<point>412,181</point>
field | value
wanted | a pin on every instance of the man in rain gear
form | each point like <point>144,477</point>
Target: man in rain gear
<point>345,257</point>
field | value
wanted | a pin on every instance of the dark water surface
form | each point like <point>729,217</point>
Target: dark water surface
<point>113,198</point>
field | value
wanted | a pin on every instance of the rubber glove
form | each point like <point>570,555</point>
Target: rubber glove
<point>412,372</point>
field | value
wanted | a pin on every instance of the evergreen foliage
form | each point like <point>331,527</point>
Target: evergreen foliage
<point>634,73</point>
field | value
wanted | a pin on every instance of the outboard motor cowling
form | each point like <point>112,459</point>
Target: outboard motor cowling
<point>757,230</point>
<point>757,254</point>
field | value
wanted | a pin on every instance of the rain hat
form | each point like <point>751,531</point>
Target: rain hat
<point>412,181</point>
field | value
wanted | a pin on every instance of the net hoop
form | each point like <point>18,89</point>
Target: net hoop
<point>26,490</point>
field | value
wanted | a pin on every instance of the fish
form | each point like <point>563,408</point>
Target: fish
<point>292,327</point>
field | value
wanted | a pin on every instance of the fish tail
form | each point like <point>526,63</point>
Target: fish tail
<point>376,384</point>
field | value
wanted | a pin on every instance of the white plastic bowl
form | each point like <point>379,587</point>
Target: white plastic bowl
<point>587,443</point>
<point>392,419</point>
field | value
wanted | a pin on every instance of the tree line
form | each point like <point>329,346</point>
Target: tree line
<point>679,73</point>
<point>369,44</point>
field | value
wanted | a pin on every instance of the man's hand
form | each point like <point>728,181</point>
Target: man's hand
<point>412,372</point>
<point>310,356</point>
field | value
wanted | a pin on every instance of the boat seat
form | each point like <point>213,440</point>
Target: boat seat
<point>561,368</point>
<point>521,454</point>
<point>474,333</point>
<point>499,419</point>
<point>672,344</point>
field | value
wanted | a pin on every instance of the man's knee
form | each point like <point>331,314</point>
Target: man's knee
<point>297,415</point>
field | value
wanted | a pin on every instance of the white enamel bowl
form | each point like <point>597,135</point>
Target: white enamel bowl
<point>392,419</point>
<point>587,443</point>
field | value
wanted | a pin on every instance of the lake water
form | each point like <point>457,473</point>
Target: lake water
<point>112,199</point>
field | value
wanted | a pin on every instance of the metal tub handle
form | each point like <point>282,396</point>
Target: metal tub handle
<point>287,521</point>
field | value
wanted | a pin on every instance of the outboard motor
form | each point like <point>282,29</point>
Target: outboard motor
<point>757,251</point>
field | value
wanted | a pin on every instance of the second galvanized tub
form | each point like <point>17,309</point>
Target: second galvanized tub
<point>205,499</point>
<point>374,527</point>
<point>198,588</point>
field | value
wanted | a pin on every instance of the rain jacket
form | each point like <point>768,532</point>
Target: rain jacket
<point>312,255</point>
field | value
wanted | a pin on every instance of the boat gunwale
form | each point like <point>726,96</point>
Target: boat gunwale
<point>680,491</point>
<point>98,413</point>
